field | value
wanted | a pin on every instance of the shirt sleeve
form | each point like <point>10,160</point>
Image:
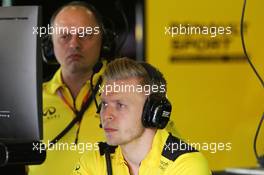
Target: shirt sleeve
<point>189,164</point>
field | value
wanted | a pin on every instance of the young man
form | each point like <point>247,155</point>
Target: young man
<point>77,41</point>
<point>134,112</point>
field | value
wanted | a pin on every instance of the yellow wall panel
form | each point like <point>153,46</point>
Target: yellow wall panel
<point>215,95</point>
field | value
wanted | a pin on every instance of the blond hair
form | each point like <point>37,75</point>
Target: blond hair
<point>124,68</point>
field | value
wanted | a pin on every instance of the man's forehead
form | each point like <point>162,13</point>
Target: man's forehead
<point>122,87</point>
<point>128,81</point>
<point>74,8</point>
<point>67,12</point>
<point>111,94</point>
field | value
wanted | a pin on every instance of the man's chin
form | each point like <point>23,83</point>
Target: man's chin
<point>112,143</point>
<point>76,67</point>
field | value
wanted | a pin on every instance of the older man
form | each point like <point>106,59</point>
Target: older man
<point>77,39</point>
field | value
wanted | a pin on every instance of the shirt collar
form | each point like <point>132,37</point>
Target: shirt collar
<point>152,157</point>
<point>56,82</point>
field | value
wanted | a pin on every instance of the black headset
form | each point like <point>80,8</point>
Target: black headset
<point>108,36</point>
<point>156,111</point>
<point>157,108</point>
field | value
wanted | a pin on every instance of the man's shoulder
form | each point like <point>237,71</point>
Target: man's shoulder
<point>184,157</point>
<point>174,147</point>
<point>191,163</point>
<point>193,157</point>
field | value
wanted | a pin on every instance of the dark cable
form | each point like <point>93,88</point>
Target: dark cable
<point>108,161</point>
<point>243,44</point>
<point>93,94</point>
<point>255,140</point>
<point>78,116</point>
<point>260,159</point>
<point>97,67</point>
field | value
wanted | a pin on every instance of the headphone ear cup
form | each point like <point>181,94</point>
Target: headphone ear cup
<point>48,51</point>
<point>156,111</point>
<point>108,44</point>
<point>146,114</point>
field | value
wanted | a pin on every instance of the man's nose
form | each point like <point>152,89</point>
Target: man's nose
<point>107,113</point>
<point>75,42</point>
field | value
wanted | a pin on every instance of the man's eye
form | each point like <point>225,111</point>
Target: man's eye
<point>104,104</point>
<point>85,35</point>
<point>65,36</point>
<point>120,105</point>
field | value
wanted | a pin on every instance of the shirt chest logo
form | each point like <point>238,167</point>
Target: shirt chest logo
<point>163,165</point>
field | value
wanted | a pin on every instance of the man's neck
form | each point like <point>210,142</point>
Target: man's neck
<point>135,151</point>
<point>75,81</point>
